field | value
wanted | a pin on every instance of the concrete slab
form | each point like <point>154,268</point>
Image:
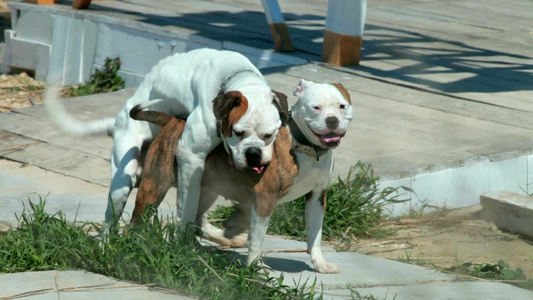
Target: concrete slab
<point>77,199</point>
<point>438,291</point>
<point>509,211</point>
<point>76,285</point>
<point>356,270</point>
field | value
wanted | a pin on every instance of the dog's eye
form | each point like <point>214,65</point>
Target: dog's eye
<point>316,107</point>
<point>342,106</point>
<point>267,136</point>
<point>239,133</point>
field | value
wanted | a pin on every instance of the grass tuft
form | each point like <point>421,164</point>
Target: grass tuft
<point>499,271</point>
<point>164,254</point>
<point>102,81</point>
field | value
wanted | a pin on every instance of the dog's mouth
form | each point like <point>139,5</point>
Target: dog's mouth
<point>330,139</point>
<point>257,169</point>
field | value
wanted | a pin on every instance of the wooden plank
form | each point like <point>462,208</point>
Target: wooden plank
<point>42,2</point>
<point>280,33</point>
<point>81,4</point>
<point>345,23</point>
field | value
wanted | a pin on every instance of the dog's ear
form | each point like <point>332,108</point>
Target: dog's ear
<point>343,91</point>
<point>229,108</point>
<point>301,87</point>
<point>280,101</point>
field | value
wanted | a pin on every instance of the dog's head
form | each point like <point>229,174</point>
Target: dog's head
<point>248,128</point>
<point>322,112</point>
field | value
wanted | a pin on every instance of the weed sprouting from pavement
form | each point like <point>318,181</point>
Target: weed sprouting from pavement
<point>164,254</point>
<point>102,81</point>
<point>357,296</point>
<point>500,271</point>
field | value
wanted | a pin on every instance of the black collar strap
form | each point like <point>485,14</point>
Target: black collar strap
<point>222,88</point>
<point>301,144</point>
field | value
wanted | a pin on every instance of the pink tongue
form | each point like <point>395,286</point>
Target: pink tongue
<point>259,170</point>
<point>331,139</point>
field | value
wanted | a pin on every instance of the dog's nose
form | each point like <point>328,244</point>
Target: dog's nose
<point>332,122</point>
<point>253,156</point>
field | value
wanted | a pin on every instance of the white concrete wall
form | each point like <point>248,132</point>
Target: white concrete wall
<point>65,46</point>
<point>462,185</point>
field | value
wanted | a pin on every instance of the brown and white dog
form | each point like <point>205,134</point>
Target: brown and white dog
<point>186,84</point>
<point>300,165</point>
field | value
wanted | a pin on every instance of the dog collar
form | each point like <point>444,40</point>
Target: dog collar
<point>222,88</point>
<point>301,144</point>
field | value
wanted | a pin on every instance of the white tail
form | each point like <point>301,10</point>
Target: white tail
<point>70,124</point>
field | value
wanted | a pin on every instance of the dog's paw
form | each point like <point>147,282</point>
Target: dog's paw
<point>326,268</point>
<point>239,241</point>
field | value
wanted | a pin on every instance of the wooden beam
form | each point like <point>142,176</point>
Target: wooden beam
<point>42,2</point>
<point>278,28</point>
<point>81,4</point>
<point>343,37</point>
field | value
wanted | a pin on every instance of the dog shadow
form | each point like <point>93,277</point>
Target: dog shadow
<point>280,264</point>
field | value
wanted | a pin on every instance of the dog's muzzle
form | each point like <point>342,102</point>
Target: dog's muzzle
<point>253,157</point>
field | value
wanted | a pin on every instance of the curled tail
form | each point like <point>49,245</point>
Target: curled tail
<point>156,117</point>
<point>70,124</point>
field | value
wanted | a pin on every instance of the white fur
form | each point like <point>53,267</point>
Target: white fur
<point>186,83</point>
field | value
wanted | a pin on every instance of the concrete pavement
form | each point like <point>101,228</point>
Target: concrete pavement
<point>71,173</point>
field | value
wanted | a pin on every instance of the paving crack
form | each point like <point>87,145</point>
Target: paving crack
<point>56,285</point>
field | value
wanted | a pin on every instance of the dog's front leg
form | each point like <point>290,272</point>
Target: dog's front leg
<point>314,216</point>
<point>256,235</point>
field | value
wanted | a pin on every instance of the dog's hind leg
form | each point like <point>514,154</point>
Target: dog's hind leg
<point>124,176</point>
<point>196,142</point>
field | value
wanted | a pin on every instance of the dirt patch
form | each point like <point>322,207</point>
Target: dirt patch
<point>19,90</point>
<point>447,238</point>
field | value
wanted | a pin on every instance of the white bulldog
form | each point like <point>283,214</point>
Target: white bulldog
<point>319,119</point>
<point>195,85</point>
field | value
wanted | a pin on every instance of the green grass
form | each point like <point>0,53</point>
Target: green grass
<point>418,261</point>
<point>357,296</point>
<point>102,81</point>
<point>162,254</point>
<point>500,271</point>
<point>355,207</point>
